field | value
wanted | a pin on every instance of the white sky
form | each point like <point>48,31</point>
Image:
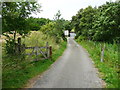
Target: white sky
<point>68,8</point>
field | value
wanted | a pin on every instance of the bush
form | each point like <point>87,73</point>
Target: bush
<point>80,38</point>
<point>10,46</point>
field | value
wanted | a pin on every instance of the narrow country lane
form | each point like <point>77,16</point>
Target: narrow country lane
<point>74,69</point>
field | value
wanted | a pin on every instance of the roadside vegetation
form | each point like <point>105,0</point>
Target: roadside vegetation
<point>94,27</point>
<point>109,67</point>
<point>98,27</point>
<point>18,68</point>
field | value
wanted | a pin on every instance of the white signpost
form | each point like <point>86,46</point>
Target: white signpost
<point>66,32</point>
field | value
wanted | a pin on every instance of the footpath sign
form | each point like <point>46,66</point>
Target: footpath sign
<point>66,32</point>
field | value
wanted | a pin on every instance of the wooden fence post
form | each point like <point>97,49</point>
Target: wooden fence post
<point>19,45</point>
<point>47,50</point>
<point>50,51</point>
<point>36,53</point>
<point>102,52</point>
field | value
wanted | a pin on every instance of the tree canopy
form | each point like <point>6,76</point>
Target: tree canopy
<point>100,24</point>
<point>14,20</point>
<point>36,23</point>
<point>56,27</point>
<point>14,15</point>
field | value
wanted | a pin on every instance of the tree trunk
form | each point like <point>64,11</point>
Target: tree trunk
<point>14,36</point>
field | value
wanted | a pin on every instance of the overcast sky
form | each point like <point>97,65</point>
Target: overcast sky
<point>68,8</point>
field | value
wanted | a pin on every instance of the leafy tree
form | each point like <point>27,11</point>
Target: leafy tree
<point>67,25</point>
<point>14,15</point>
<point>55,28</point>
<point>107,22</point>
<point>100,24</point>
<point>86,21</point>
<point>59,27</point>
<point>36,23</point>
<point>49,29</point>
<point>57,15</point>
<point>76,21</point>
<point>13,12</point>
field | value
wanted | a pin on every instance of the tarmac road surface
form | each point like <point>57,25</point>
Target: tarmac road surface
<point>74,69</point>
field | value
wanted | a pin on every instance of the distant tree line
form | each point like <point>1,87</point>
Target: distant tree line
<point>98,24</point>
<point>36,23</point>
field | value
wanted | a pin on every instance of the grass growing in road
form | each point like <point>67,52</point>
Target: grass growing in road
<point>109,68</point>
<point>17,70</point>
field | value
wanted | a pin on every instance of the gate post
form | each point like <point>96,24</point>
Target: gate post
<point>47,50</point>
<point>50,51</point>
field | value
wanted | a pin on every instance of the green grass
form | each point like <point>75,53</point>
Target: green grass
<point>18,70</point>
<point>109,68</point>
<point>37,38</point>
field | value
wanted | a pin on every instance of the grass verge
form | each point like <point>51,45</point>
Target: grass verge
<point>18,70</point>
<point>109,68</point>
